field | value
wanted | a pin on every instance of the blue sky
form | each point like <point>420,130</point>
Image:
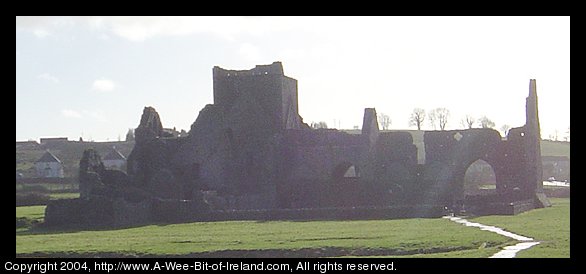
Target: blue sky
<point>91,76</point>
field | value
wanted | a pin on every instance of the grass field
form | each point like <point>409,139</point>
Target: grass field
<point>30,212</point>
<point>552,148</point>
<point>550,226</point>
<point>410,237</point>
<point>28,215</point>
<point>317,238</point>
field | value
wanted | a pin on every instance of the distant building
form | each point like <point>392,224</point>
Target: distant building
<point>48,141</point>
<point>49,166</point>
<point>114,159</point>
<point>53,143</point>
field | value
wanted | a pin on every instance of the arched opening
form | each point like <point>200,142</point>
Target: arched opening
<point>343,190</point>
<point>479,179</point>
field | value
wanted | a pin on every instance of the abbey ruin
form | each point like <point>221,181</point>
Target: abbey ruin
<point>249,155</point>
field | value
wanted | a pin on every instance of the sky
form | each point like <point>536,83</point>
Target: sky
<point>91,77</point>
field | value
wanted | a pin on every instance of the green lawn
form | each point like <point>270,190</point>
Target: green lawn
<point>31,212</point>
<point>383,237</point>
<point>388,238</point>
<point>26,216</point>
<point>550,226</point>
<point>58,196</point>
<point>551,148</point>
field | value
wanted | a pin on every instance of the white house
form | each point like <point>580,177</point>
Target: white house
<point>114,159</point>
<point>49,166</point>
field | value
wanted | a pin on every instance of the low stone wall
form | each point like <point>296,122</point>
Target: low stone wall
<point>345,213</point>
<point>74,212</point>
<point>503,208</point>
<point>97,212</point>
<point>175,210</point>
<point>128,214</point>
<point>118,212</point>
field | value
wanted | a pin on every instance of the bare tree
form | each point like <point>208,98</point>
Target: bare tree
<point>505,129</point>
<point>443,115</point>
<point>432,119</point>
<point>384,121</point>
<point>417,118</point>
<point>485,122</point>
<point>567,137</point>
<point>439,116</point>
<point>468,121</point>
<point>554,136</point>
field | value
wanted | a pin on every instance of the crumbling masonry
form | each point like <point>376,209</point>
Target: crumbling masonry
<point>250,150</point>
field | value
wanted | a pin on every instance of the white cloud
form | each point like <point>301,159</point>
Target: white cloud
<point>104,85</point>
<point>97,115</point>
<point>48,77</point>
<point>41,33</point>
<point>70,113</point>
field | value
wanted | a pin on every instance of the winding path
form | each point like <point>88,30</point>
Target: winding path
<point>508,251</point>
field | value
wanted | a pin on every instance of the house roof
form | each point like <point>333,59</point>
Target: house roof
<point>27,143</point>
<point>48,157</point>
<point>114,155</point>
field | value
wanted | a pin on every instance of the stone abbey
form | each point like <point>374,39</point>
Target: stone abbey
<point>249,155</point>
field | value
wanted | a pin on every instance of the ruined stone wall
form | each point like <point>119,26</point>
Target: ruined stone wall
<point>254,105</point>
<point>308,160</point>
<point>290,104</point>
<point>262,98</point>
<point>230,148</point>
<point>314,154</point>
<point>208,148</point>
<point>449,153</point>
<point>252,101</point>
<point>252,150</point>
<point>394,161</point>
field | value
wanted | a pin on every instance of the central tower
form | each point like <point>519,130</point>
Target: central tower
<point>262,98</point>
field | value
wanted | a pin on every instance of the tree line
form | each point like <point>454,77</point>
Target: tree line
<point>438,118</point>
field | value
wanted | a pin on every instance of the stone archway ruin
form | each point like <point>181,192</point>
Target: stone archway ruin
<point>253,147</point>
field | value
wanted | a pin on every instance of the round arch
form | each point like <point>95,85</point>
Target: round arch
<point>479,179</point>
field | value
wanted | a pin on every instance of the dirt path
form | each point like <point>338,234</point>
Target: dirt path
<point>508,251</point>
